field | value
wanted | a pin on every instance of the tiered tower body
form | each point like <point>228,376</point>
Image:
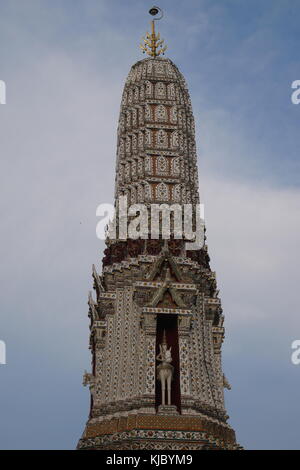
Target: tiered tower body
<point>150,288</point>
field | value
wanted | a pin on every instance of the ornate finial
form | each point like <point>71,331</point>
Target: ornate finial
<point>153,44</point>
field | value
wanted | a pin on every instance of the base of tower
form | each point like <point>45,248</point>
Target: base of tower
<point>160,432</point>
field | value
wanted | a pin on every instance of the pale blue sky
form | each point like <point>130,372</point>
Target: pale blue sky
<point>64,63</point>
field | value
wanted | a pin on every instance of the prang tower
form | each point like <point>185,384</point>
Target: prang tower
<point>156,324</point>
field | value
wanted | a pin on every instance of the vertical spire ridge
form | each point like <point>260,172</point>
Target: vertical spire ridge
<point>154,46</point>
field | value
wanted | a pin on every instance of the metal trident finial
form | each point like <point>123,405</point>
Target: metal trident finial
<point>153,44</point>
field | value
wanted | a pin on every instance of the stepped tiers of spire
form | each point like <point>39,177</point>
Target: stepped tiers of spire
<point>156,322</point>
<point>156,158</point>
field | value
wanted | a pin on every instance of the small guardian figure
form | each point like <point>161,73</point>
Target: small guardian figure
<point>165,370</point>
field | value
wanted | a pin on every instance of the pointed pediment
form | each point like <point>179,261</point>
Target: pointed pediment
<point>165,266</point>
<point>167,296</point>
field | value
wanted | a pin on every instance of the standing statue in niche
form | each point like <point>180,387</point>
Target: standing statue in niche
<point>165,370</point>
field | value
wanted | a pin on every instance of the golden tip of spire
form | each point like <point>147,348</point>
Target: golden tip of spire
<point>154,46</point>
